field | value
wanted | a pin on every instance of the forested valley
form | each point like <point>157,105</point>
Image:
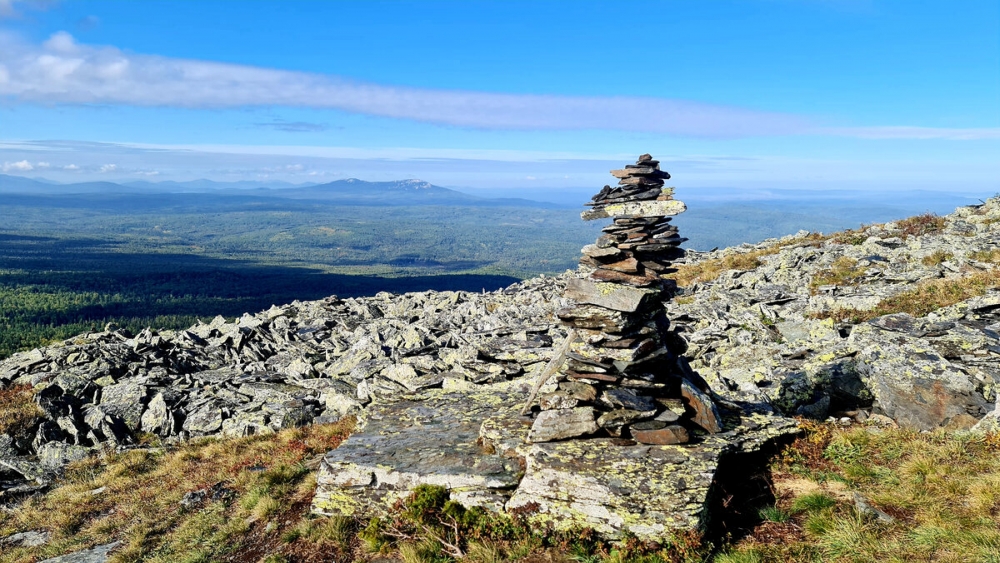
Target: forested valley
<point>73,263</point>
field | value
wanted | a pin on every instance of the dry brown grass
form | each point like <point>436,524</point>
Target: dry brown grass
<point>18,411</point>
<point>853,237</point>
<point>920,225</point>
<point>924,298</point>
<point>708,270</point>
<point>843,271</point>
<point>990,256</point>
<point>911,226</point>
<point>268,483</point>
<point>936,258</point>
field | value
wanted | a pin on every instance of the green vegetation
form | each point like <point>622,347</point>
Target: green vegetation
<point>708,270</point>
<point>939,490</point>
<point>939,494</point>
<point>991,256</point>
<point>76,263</point>
<point>920,225</point>
<point>258,491</point>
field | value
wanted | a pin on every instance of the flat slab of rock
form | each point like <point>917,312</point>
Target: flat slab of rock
<point>706,414</point>
<point>559,424</point>
<point>97,554</point>
<point>431,438</point>
<point>31,538</point>
<point>609,295</point>
<point>657,432</point>
<point>632,209</point>
<point>646,490</point>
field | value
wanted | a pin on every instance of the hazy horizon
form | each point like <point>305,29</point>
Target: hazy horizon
<point>855,94</point>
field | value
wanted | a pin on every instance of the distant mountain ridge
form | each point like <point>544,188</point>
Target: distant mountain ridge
<point>350,191</point>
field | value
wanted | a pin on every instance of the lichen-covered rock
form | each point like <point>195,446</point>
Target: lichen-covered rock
<point>560,424</point>
<point>659,433</point>
<point>290,365</point>
<point>157,419</point>
<point>753,335</point>
<point>635,209</point>
<point>706,414</point>
<point>430,438</point>
<point>914,385</point>
<point>98,554</point>
<point>125,402</point>
<point>648,491</point>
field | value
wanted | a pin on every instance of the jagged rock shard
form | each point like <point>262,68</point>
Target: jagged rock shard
<point>633,209</point>
<point>608,295</point>
<point>706,414</point>
<point>659,433</point>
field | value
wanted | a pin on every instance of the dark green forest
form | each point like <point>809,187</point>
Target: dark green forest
<point>75,263</point>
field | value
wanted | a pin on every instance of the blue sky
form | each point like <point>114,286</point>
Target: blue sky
<point>793,94</point>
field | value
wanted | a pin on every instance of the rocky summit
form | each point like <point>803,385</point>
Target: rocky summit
<point>610,397</point>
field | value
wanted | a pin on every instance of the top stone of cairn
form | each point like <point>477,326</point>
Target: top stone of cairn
<point>639,193</point>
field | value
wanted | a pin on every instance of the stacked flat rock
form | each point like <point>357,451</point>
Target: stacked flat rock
<point>620,377</point>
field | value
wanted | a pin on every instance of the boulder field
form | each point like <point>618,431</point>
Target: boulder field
<point>802,326</point>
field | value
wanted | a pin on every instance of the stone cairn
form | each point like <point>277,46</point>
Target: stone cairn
<point>619,377</point>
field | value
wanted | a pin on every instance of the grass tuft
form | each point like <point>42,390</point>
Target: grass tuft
<point>939,487</point>
<point>920,225</point>
<point>813,502</point>
<point>140,503</point>
<point>774,514</point>
<point>936,258</point>
<point>990,256</point>
<point>708,270</point>
<point>18,412</point>
<point>925,297</point>
<point>843,271</point>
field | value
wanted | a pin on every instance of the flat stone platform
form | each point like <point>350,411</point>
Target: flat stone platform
<point>470,439</point>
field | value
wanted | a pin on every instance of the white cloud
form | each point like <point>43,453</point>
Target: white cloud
<point>42,165</point>
<point>108,168</point>
<point>71,167</point>
<point>61,70</point>
<point>19,166</point>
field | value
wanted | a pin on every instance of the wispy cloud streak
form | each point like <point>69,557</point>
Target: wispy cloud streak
<point>63,71</point>
<point>60,70</point>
